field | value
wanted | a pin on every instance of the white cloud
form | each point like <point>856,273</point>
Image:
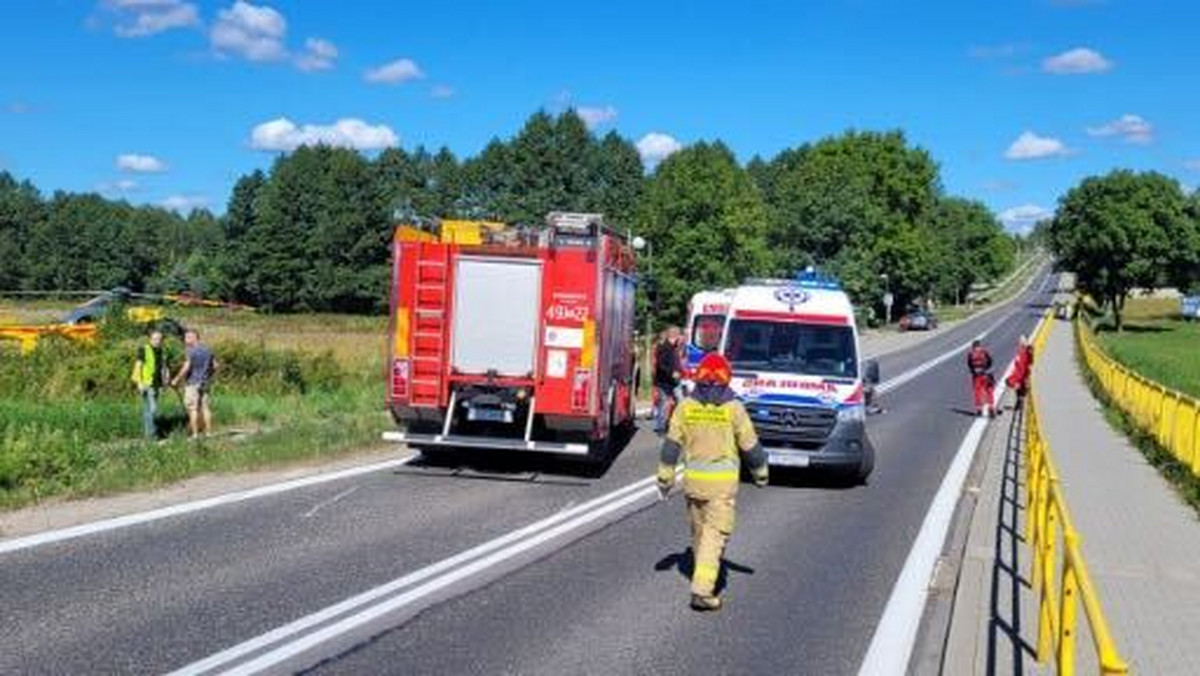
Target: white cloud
<point>141,164</point>
<point>441,91</point>
<point>1194,165</point>
<point>396,72</point>
<point>1131,128</point>
<point>594,116</point>
<point>1078,61</point>
<point>1030,146</point>
<point>283,135</point>
<point>184,203</point>
<point>140,18</point>
<point>254,32</point>
<point>1021,219</point>
<point>319,54</point>
<point>656,147</point>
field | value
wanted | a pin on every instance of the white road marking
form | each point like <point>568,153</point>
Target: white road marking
<point>896,633</point>
<point>63,534</point>
<point>306,633</point>
<point>303,624</point>
<point>289,650</point>
<point>325,503</point>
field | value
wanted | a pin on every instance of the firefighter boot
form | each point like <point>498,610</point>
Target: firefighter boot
<point>705,603</point>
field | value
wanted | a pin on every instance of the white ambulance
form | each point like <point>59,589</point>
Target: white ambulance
<point>794,349</point>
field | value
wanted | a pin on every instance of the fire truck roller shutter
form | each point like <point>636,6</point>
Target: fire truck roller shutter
<point>496,315</point>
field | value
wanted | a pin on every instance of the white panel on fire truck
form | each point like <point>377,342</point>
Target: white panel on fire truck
<point>556,363</point>
<point>561,336</point>
<point>497,305</point>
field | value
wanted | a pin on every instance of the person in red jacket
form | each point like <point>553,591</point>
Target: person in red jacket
<point>979,362</point>
<point>1018,381</point>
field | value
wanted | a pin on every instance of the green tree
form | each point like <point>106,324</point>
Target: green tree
<point>20,212</point>
<point>860,204</point>
<point>707,224</point>
<point>1125,230</point>
<point>971,246</point>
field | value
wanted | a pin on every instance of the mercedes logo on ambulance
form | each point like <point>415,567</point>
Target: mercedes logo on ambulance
<point>791,295</point>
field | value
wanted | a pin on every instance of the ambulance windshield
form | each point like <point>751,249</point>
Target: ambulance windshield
<point>789,347</point>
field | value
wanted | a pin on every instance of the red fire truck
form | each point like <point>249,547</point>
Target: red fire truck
<point>512,338</point>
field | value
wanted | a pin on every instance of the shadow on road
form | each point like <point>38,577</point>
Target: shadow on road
<point>518,466</point>
<point>683,563</point>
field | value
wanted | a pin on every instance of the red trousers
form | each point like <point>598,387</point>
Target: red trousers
<point>984,390</point>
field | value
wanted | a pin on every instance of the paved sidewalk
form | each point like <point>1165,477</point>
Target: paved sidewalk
<point>1141,542</point>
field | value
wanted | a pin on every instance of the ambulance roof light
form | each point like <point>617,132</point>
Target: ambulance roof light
<point>811,278</point>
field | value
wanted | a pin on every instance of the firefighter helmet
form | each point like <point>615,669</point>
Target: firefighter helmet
<point>714,369</point>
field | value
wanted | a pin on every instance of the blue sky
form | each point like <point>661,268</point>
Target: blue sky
<point>169,101</point>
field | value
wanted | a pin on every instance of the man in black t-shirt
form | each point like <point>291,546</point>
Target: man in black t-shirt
<point>668,371</point>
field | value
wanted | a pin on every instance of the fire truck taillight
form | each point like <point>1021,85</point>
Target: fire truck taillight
<point>580,387</point>
<point>400,378</point>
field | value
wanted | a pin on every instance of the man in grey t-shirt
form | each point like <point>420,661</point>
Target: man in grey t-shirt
<point>197,373</point>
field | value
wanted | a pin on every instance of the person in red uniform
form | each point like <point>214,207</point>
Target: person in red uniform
<point>1018,381</point>
<point>979,362</point>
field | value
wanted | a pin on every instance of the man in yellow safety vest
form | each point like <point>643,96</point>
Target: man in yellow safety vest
<point>150,374</point>
<point>713,434</point>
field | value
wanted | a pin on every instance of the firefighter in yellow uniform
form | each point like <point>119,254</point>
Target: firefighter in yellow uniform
<point>712,433</point>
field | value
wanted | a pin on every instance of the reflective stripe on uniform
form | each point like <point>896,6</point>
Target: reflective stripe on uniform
<point>711,475</point>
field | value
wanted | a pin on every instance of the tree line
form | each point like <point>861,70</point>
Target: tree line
<point>311,233</point>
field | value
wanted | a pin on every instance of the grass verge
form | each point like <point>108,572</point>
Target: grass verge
<point>290,389</point>
<point>1180,476</point>
<point>1156,344</point>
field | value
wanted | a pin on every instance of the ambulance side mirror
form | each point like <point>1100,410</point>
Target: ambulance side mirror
<point>871,372</point>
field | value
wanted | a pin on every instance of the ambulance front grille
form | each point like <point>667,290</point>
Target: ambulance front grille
<point>803,425</point>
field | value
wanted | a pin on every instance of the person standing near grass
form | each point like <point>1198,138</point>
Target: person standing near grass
<point>149,374</point>
<point>197,373</point>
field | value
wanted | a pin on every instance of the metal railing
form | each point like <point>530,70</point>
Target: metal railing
<point>1060,576</point>
<point>1171,417</point>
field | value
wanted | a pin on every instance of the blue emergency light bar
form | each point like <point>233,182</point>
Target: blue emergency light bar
<point>810,278</point>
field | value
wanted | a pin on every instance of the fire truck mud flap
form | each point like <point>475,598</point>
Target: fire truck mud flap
<point>499,443</point>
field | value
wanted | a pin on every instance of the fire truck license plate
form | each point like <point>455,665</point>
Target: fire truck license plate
<point>488,415</point>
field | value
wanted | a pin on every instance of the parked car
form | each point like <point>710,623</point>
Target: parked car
<point>918,320</point>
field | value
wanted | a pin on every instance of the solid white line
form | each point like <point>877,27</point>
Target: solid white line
<point>896,634</point>
<point>276,635</point>
<point>348,624</point>
<point>51,536</point>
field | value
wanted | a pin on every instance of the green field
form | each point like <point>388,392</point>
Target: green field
<point>290,388</point>
<point>1157,344</point>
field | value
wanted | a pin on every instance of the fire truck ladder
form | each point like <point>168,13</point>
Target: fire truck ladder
<point>429,313</point>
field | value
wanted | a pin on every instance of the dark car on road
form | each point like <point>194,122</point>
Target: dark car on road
<point>918,320</point>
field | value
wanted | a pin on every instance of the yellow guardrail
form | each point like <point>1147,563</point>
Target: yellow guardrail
<point>1060,576</point>
<point>1173,418</point>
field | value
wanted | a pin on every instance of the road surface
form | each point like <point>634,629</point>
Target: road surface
<point>509,568</point>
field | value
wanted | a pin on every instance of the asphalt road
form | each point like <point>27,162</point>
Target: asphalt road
<point>809,568</point>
